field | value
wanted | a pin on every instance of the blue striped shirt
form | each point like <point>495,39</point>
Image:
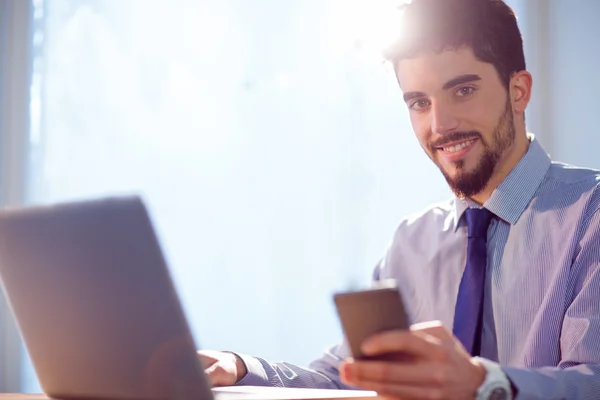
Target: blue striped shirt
<point>542,295</point>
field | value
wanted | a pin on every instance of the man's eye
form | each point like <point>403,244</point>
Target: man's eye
<point>465,91</point>
<point>419,104</point>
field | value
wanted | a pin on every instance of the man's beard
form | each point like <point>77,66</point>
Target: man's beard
<point>469,183</point>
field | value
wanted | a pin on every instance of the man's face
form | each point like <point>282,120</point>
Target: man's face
<point>461,114</point>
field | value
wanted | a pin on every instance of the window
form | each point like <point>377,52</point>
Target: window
<point>274,153</point>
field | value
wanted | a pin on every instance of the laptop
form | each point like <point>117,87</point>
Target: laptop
<point>97,309</point>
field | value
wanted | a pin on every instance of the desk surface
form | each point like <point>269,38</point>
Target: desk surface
<point>21,396</point>
<point>252,393</point>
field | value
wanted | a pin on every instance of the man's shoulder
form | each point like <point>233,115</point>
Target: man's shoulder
<point>567,185</point>
<point>432,218</point>
<point>561,175</point>
<point>420,235</point>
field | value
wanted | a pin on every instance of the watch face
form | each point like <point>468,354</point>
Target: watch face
<point>498,394</point>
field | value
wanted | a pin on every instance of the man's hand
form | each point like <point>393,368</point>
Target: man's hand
<point>222,368</point>
<point>437,367</point>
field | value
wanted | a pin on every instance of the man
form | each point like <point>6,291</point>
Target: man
<point>510,267</point>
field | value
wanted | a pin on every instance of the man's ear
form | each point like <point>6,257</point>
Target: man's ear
<point>520,91</point>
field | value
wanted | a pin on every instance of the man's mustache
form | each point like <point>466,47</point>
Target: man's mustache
<point>454,137</point>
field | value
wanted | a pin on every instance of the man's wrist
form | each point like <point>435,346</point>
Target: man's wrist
<point>496,385</point>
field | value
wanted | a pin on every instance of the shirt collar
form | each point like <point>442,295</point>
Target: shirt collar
<point>513,195</point>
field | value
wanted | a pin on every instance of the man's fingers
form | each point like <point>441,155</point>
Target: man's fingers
<point>416,344</point>
<point>220,367</point>
<point>436,330</point>
<point>212,368</point>
<point>206,358</point>
<point>217,375</point>
<point>411,374</point>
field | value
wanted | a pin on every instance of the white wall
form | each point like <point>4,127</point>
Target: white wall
<point>562,46</point>
<point>573,67</point>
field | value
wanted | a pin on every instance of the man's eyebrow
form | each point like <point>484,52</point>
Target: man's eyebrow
<point>459,80</point>
<point>412,95</point>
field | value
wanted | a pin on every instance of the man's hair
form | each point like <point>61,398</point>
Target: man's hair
<point>488,27</point>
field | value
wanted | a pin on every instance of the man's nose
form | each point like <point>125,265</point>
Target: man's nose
<point>443,119</point>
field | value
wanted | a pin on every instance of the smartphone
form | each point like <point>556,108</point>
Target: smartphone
<point>366,312</point>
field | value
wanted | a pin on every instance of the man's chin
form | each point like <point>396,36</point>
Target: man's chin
<point>467,183</point>
<point>459,180</point>
<point>458,172</point>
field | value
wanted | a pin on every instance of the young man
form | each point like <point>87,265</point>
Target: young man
<point>510,267</point>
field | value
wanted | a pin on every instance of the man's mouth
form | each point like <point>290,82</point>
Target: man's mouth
<point>454,147</point>
<point>456,150</point>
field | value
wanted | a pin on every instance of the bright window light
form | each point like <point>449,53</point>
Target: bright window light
<point>365,25</point>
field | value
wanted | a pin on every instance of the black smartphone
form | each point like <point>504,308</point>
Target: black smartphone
<point>366,312</point>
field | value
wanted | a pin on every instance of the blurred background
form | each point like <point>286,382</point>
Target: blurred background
<point>270,143</point>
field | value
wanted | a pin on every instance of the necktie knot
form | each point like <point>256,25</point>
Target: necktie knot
<point>478,220</point>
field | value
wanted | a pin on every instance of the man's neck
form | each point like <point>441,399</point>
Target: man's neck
<point>504,167</point>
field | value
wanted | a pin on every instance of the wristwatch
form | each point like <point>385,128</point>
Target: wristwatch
<point>496,385</point>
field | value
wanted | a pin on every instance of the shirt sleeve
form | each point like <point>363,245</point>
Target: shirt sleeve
<point>578,374</point>
<point>321,374</point>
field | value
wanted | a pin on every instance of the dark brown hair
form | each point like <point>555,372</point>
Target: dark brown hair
<point>488,27</point>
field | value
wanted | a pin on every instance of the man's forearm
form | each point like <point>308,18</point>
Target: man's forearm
<point>260,372</point>
<point>579,382</point>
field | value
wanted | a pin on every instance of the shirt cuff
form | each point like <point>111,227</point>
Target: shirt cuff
<point>255,375</point>
<point>523,383</point>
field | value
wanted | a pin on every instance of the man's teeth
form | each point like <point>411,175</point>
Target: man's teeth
<point>452,149</point>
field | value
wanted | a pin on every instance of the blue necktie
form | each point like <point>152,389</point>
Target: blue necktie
<point>469,304</point>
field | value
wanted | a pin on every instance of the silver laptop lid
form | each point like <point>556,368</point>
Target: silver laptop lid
<point>95,304</point>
